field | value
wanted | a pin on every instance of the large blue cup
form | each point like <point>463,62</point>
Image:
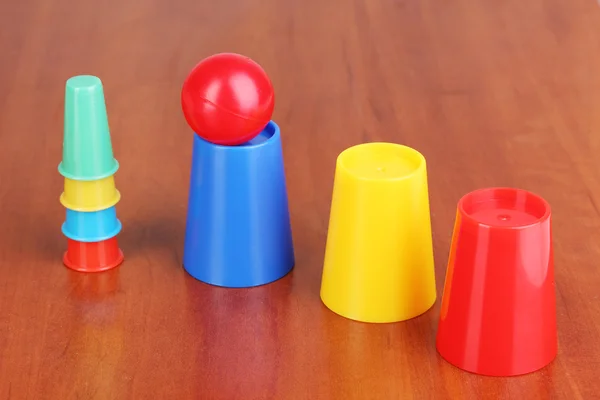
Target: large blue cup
<point>93,226</point>
<point>238,230</point>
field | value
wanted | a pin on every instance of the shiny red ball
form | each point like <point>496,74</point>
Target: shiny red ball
<point>227,99</point>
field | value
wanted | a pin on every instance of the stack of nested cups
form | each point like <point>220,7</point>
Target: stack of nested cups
<point>88,166</point>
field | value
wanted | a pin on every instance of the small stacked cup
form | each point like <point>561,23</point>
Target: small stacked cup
<point>88,166</point>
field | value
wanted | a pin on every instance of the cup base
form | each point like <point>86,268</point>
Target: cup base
<point>504,207</point>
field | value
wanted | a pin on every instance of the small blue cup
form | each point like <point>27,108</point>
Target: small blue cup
<point>238,231</point>
<point>93,226</point>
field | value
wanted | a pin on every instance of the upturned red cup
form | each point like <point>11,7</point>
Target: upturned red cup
<point>93,256</point>
<point>498,313</point>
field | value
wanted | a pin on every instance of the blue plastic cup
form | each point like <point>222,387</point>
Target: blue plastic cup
<point>93,226</point>
<point>238,231</point>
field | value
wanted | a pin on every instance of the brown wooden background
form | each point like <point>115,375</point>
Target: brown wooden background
<point>491,92</point>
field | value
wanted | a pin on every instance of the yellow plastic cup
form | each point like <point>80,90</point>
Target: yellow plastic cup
<point>90,196</point>
<point>379,254</point>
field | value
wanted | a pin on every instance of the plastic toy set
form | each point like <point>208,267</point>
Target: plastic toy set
<point>498,313</point>
<point>88,166</point>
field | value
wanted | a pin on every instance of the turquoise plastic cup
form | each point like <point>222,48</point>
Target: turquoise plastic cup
<point>92,226</point>
<point>87,148</point>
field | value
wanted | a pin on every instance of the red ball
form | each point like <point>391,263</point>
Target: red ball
<point>227,99</point>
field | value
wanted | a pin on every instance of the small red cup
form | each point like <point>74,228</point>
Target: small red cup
<point>498,313</point>
<point>93,256</point>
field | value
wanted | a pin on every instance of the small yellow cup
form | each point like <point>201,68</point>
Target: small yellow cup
<point>90,196</point>
<point>379,255</point>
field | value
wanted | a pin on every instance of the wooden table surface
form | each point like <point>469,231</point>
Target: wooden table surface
<point>493,93</point>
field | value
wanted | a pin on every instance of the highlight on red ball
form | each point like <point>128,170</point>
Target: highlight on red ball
<point>227,99</point>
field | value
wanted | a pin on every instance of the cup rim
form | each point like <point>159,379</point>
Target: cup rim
<point>466,215</point>
<point>74,265</point>
<point>101,207</point>
<point>74,177</point>
<point>117,229</point>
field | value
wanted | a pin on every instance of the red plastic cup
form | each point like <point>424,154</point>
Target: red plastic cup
<point>93,256</point>
<point>498,313</point>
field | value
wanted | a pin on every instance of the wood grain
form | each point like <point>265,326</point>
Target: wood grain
<point>491,92</point>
